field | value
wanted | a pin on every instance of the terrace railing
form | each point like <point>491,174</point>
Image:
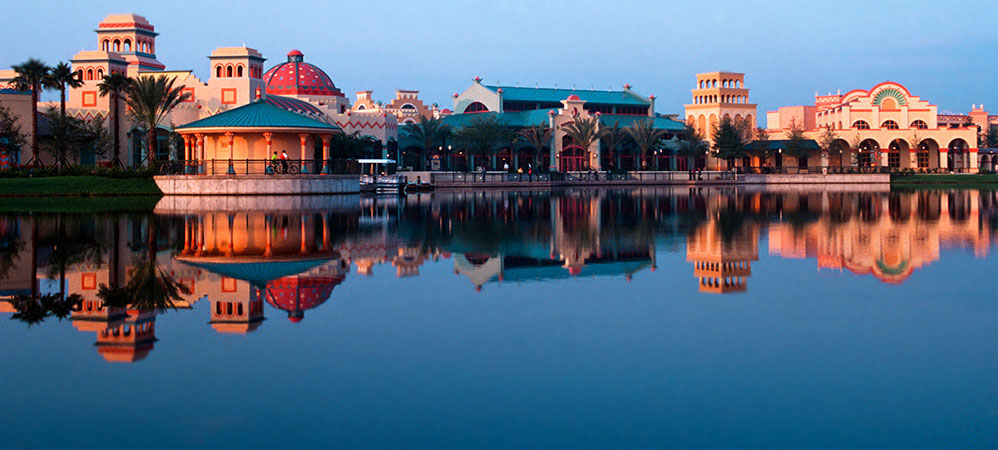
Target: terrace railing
<point>237,167</point>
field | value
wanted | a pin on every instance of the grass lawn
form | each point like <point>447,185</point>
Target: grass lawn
<point>90,205</point>
<point>947,180</point>
<point>78,186</point>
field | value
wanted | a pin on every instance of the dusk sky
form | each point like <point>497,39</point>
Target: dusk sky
<point>943,52</point>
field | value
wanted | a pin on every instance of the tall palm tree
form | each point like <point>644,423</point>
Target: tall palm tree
<point>538,136</point>
<point>114,84</point>
<point>645,135</point>
<point>62,77</point>
<point>612,137</point>
<point>584,131</point>
<point>151,100</point>
<point>428,132</point>
<point>32,75</point>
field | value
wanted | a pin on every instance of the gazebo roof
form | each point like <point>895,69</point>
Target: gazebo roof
<point>258,114</point>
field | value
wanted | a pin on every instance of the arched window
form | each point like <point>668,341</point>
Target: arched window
<point>105,45</point>
<point>861,125</point>
<point>476,107</point>
<point>100,74</point>
<point>360,107</point>
<point>408,107</point>
<point>218,71</point>
<point>228,71</point>
<point>116,45</point>
<point>890,125</point>
<point>920,124</point>
<point>128,45</point>
<point>79,75</point>
<point>90,74</point>
<point>239,71</point>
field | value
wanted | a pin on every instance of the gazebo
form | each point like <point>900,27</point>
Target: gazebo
<point>251,134</point>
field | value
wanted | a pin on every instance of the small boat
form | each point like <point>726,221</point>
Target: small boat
<point>418,187</point>
<point>382,183</point>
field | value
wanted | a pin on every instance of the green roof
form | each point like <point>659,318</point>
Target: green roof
<point>258,114</point>
<point>528,94</point>
<point>524,119</point>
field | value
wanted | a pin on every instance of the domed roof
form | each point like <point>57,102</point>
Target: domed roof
<point>573,97</point>
<point>297,294</point>
<point>297,77</point>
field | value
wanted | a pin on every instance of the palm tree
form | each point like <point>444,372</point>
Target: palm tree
<point>692,145</point>
<point>538,136</point>
<point>32,75</point>
<point>612,137</point>
<point>114,84</point>
<point>428,132</point>
<point>151,99</point>
<point>645,136</point>
<point>62,77</point>
<point>584,131</point>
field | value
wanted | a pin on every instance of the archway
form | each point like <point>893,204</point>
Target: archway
<point>898,155</point>
<point>839,155</point>
<point>868,153</point>
<point>574,158</point>
<point>959,155</point>
<point>985,164</point>
<point>927,156</point>
<point>476,107</point>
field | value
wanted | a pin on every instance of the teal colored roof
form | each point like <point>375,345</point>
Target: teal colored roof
<point>258,114</point>
<point>259,273</point>
<point>777,144</point>
<point>528,94</point>
<point>524,119</point>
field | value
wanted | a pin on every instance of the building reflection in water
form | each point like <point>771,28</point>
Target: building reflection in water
<point>241,261</point>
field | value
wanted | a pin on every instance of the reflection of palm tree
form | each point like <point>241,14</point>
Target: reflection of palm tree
<point>149,288</point>
<point>33,310</point>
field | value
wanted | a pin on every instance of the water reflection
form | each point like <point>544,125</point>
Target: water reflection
<point>112,275</point>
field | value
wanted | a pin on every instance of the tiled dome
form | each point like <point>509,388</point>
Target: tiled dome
<point>297,77</point>
<point>297,294</point>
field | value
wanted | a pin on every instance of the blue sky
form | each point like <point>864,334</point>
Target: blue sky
<point>943,52</point>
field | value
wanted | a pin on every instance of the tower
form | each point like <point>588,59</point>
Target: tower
<point>133,38</point>
<point>236,74</point>
<point>718,95</point>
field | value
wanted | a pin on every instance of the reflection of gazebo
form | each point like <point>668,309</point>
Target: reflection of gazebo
<point>279,280</point>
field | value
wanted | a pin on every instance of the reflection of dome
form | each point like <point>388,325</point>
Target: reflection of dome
<point>297,77</point>
<point>297,294</point>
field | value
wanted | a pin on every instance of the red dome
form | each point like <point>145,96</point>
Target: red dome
<point>574,271</point>
<point>297,77</point>
<point>574,97</point>
<point>297,294</point>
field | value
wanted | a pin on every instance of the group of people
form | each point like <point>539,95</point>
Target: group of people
<point>696,174</point>
<point>281,162</point>
<point>505,168</point>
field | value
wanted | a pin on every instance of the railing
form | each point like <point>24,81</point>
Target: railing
<point>236,167</point>
<point>577,177</point>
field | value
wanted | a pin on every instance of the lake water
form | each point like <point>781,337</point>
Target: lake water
<point>633,318</point>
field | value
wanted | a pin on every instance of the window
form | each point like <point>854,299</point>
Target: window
<point>890,125</point>
<point>920,124</point>
<point>861,125</point>
<point>476,107</point>
<point>239,71</point>
<point>128,45</point>
<point>228,71</point>
<point>923,156</point>
<point>218,71</point>
<point>894,158</point>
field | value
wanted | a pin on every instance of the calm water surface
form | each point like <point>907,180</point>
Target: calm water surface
<point>665,318</point>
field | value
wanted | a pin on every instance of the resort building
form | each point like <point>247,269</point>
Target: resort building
<point>126,44</point>
<point>885,126</point>
<point>407,107</point>
<point>523,107</point>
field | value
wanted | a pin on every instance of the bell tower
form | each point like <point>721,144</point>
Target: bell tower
<point>132,37</point>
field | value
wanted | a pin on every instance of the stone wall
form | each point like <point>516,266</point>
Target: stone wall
<point>258,184</point>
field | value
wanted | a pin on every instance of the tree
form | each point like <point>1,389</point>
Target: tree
<point>692,144</point>
<point>612,137</point>
<point>538,136</point>
<point>113,85</point>
<point>60,77</point>
<point>151,99</point>
<point>65,136</point>
<point>429,132</point>
<point>484,135</point>
<point>826,140</point>
<point>729,140</point>
<point>97,137</point>
<point>584,131</point>
<point>796,142</point>
<point>31,76</point>
<point>10,130</point>
<point>760,145</point>
<point>645,136</point>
